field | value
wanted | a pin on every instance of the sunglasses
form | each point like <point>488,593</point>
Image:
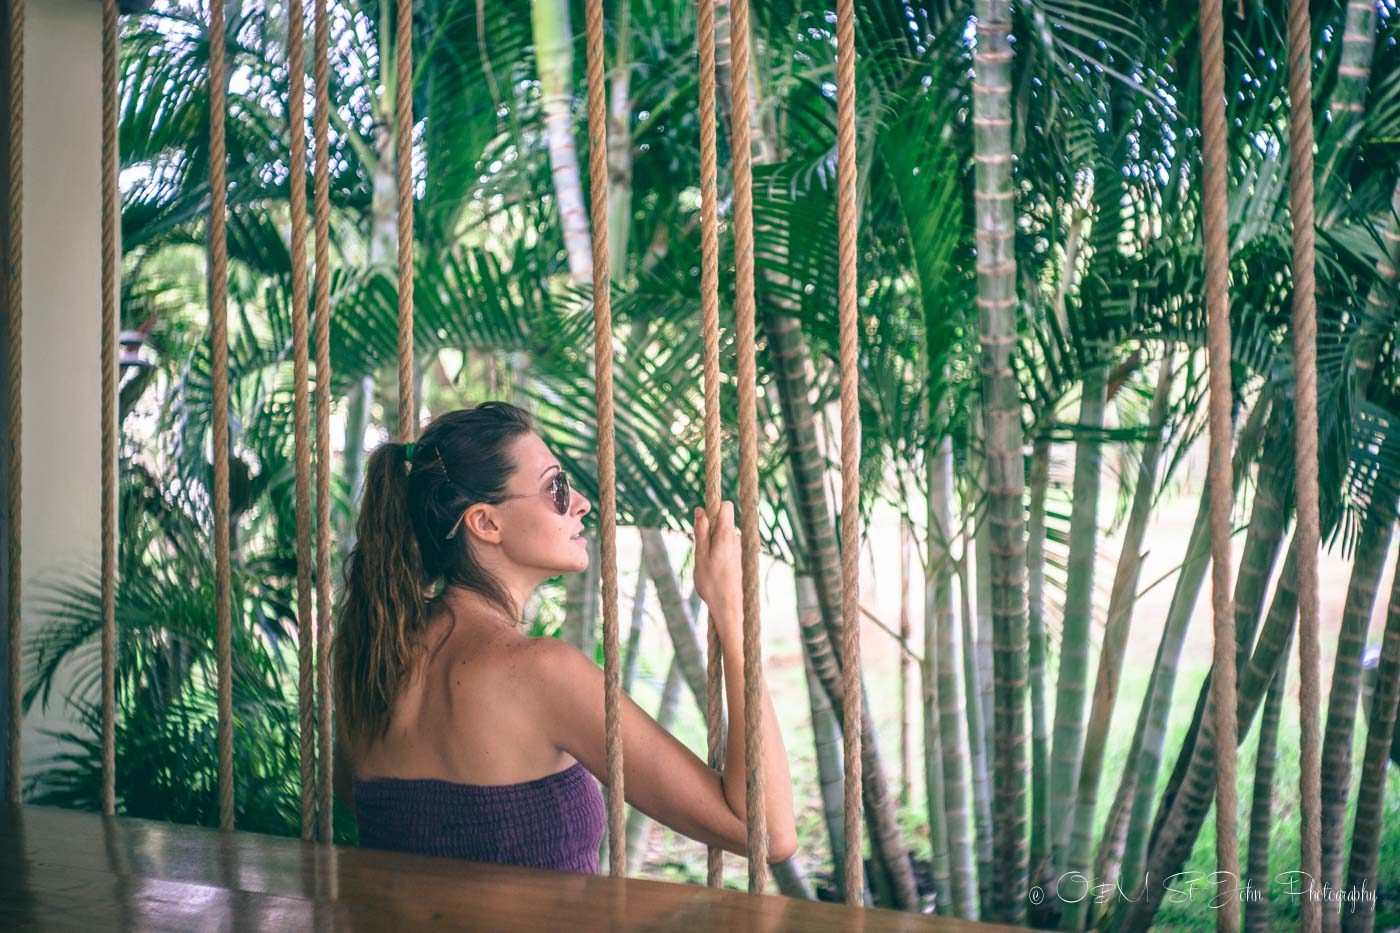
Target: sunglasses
<point>559,489</point>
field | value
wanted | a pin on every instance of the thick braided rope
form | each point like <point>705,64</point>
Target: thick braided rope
<point>301,411</point>
<point>1300,158</point>
<point>744,314</point>
<point>403,129</point>
<point>16,365</point>
<point>709,306</point>
<point>320,129</point>
<point>111,259</point>
<point>1217,257</point>
<point>850,440</point>
<point>607,475</point>
<point>218,335</point>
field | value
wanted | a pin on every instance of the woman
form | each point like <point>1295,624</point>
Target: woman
<point>464,736</point>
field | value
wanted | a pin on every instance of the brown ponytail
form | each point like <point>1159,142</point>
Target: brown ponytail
<point>402,554</point>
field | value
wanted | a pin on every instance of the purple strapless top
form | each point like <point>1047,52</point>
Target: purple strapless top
<point>553,822</point>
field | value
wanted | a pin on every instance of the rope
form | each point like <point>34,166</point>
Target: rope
<point>403,127</point>
<point>1217,259</point>
<point>744,314</point>
<point>709,305</point>
<point>607,474</point>
<point>1300,148</point>
<point>850,441</point>
<point>320,128</point>
<point>16,309</point>
<point>111,260</point>
<point>218,327</point>
<point>296,124</point>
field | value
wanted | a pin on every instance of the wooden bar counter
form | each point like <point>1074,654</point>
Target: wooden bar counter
<point>64,870</point>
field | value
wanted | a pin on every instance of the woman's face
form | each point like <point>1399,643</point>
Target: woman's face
<point>533,534</point>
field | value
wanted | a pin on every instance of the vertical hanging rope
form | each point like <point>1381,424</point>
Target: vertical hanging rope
<point>403,128</point>
<point>111,260</point>
<point>607,478</point>
<point>301,410</point>
<point>1215,196</point>
<point>709,306</point>
<point>850,440</point>
<point>1300,197</point>
<point>320,129</point>
<point>744,323</point>
<point>16,365</point>
<point>218,336</point>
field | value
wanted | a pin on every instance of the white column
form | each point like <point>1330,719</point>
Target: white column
<point>62,320</point>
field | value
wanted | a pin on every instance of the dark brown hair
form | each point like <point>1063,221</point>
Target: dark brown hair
<point>402,555</point>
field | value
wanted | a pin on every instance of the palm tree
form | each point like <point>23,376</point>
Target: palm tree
<point>996,300</point>
<point>554,60</point>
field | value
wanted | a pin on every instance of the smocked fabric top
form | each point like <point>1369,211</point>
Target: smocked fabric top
<point>553,822</point>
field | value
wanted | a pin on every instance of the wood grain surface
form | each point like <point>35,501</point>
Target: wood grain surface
<point>64,870</point>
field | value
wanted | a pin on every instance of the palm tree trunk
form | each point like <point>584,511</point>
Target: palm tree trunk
<point>680,622</point>
<point>980,645</point>
<point>1042,867</point>
<point>1125,849</point>
<point>1115,641</point>
<point>620,146</point>
<point>906,665</point>
<point>1347,102</point>
<point>631,656</point>
<point>1356,617</point>
<point>791,882</point>
<point>358,408</point>
<point>788,353</point>
<point>977,750</point>
<point>1370,552</point>
<point>638,823</point>
<point>554,61</point>
<point>1262,543</point>
<point>1261,807</point>
<point>1185,811</point>
<point>1363,867</point>
<point>1072,685</point>
<point>942,651</point>
<point>826,738</point>
<point>939,864</point>
<point>996,301</point>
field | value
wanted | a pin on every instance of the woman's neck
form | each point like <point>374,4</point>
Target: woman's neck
<point>464,602</point>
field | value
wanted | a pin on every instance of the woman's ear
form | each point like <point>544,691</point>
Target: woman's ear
<point>481,524</point>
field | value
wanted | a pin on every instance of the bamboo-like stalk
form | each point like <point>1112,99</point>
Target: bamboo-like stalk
<point>942,656</point>
<point>906,665</point>
<point>1042,865</point>
<point>1072,683</point>
<point>1124,850</point>
<point>631,656</point>
<point>1261,806</point>
<point>554,61</point>
<point>620,145</point>
<point>1115,642</point>
<point>1362,868</point>
<point>996,306</point>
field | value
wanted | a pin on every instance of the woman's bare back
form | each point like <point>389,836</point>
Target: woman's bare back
<point>466,714</point>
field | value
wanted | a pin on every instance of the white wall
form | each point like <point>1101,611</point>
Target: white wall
<point>62,313</point>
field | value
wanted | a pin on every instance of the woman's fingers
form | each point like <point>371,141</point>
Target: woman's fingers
<point>702,533</point>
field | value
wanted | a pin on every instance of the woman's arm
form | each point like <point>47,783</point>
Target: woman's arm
<point>663,778</point>
<point>718,580</point>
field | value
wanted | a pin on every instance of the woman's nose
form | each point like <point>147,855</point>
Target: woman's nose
<point>581,504</point>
